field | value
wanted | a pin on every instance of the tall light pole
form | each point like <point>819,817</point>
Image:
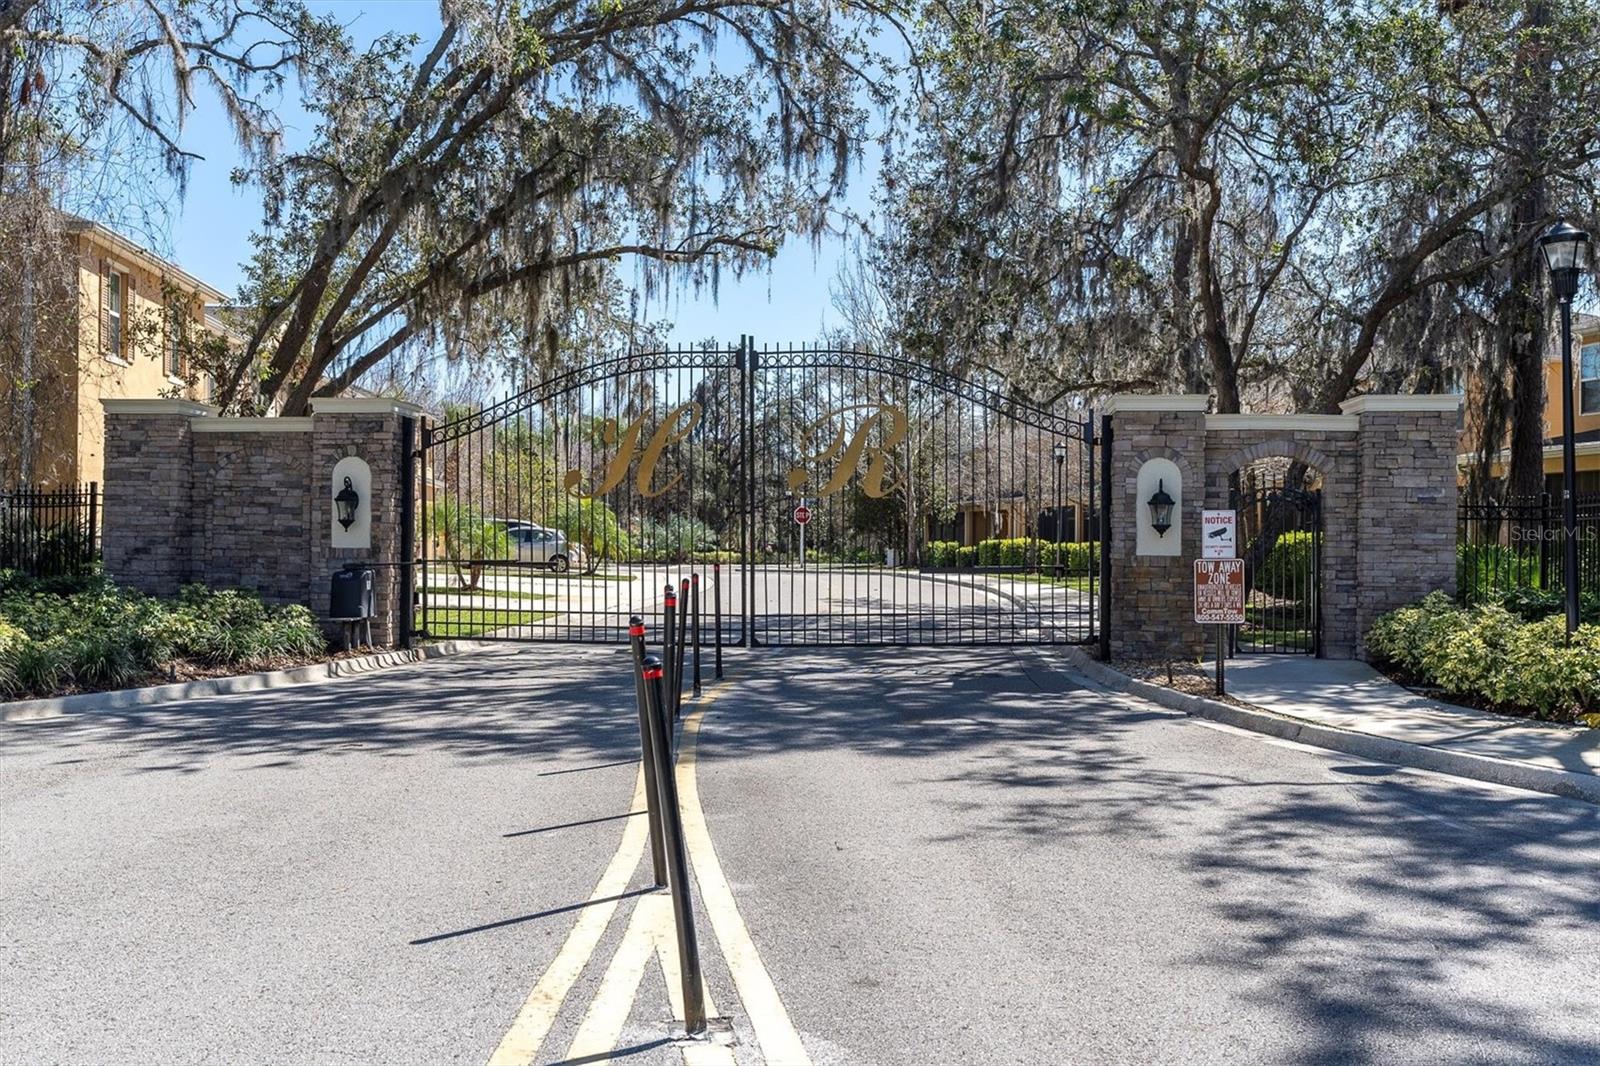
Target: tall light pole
<point>1566,254</point>
<point>1059,450</point>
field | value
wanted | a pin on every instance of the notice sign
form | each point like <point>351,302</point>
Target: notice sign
<point>1217,534</point>
<point>1219,591</point>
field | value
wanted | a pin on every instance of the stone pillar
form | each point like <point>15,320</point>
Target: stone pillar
<point>372,430</point>
<point>147,528</point>
<point>1152,602</point>
<point>1406,503</point>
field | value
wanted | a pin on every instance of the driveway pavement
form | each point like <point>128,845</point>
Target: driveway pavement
<point>938,856</point>
<point>373,870</point>
<point>963,857</point>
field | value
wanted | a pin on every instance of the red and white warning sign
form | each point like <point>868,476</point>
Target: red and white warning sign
<point>802,515</point>
<point>1219,591</point>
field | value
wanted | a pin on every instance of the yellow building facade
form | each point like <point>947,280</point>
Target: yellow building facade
<point>135,316</point>
<point>1585,407</point>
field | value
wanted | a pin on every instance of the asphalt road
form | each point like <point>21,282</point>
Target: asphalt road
<point>942,856</point>
<point>814,604</point>
<point>960,857</point>
<point>375,870</point>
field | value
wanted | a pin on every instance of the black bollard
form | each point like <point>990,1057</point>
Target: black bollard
<point>669,633</point>
<point>682,649</point>
<point>694,623</point>
<point>647,744</point>
<point>716,603</point>
<point>694,1004</point>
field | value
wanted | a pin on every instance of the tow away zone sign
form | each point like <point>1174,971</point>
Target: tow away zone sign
<point>1219,591</point>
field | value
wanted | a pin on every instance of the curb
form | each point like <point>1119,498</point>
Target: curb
<point>1365,745</point>
<point>119,699</point>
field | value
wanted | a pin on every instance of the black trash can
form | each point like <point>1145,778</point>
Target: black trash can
<point>350,595</point>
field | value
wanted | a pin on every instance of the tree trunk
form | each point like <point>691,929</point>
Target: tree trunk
<point>1522,328</point>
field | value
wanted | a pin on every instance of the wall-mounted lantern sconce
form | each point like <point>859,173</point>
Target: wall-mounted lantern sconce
<point>347,501</point>
<point>1161,510</point>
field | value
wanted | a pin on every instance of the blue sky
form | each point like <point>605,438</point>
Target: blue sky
<point>210,232</point>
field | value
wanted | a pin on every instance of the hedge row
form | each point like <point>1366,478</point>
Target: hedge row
<point>106,637</point>
<point>1488,654</point>
<point>1032,553</point>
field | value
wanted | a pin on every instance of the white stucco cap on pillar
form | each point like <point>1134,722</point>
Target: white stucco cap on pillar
<point>1390,402</point>
<point>157,406</point>
<point>366,405</point>
<point>1187,403</point>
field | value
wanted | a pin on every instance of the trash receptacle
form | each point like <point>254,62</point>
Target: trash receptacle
<point>351,594</point>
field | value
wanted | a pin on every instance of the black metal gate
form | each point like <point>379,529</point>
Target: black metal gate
<point>1280,519</point>
<point>825,496</point>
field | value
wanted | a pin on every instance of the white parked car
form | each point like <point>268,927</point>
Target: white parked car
<point>535,544</point>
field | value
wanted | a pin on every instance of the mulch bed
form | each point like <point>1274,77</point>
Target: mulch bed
<point>1180,675</point>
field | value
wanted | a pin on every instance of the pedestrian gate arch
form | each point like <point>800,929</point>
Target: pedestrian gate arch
<point>943,508</point>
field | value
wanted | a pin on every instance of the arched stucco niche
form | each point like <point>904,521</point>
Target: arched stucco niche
<point>1158,475</point>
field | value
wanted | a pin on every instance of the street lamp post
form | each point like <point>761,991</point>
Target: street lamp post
<point>1059,450</point>
<point>1566,254</point>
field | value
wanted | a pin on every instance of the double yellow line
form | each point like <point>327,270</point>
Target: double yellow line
<point>649,932</point>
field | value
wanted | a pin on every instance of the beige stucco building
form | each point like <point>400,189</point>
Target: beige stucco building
<point>134,319</point>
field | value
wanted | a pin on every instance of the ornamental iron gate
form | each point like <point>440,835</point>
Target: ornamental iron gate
<point>1280,526</point>
<point>937,509</point>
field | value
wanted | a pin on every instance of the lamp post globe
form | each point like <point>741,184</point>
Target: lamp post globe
<point>1566,250</point>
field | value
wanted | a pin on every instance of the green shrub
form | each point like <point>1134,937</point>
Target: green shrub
<point>1487,653</point>
<point>1289,565</point>
<point>109,638</point>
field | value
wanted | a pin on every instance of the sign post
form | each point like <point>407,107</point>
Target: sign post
<point>802,518</point>
<point>1219,599</point>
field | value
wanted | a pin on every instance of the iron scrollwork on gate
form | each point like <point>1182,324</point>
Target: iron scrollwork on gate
<point>943,508</point>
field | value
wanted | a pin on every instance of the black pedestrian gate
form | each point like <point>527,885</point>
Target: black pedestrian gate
<point>1280,528</point>
<point>825,495</point>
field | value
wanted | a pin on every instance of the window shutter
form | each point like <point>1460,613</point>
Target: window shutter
<point>127,318</point>
<point>105,313</point>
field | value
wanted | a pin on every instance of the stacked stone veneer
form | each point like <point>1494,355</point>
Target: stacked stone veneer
<point>1388,467</point>
<point>248,503</point>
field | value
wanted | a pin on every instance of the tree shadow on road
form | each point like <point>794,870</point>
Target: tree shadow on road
<point>574,706</point>
<point>1397,912</point>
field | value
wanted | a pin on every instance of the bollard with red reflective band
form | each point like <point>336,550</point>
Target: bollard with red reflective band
<point>647,746</point>
<point>669,634</point>
<point>716,603</point>
<point>694,1004</point>
<point>694,622</point>
<point>682,648</point>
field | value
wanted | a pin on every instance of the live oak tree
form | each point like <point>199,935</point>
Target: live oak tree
<point>1250,197</point>
<point>474,194</point>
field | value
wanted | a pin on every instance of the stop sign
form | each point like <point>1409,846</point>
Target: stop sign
<point>802,514</point>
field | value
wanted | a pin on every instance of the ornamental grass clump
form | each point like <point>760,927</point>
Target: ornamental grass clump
<point>103,637</point>
<point>1490,656</point>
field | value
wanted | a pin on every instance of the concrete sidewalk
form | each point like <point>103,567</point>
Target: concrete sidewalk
<point>1352,695</point>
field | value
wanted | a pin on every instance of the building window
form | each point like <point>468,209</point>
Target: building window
<point>1455,385</point>
<point>114,291</point>
<point>172,352</point>
<point>1589,379</point>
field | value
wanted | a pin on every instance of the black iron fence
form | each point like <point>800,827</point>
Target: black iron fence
<point>46,533</point>
<point>1515,543</point>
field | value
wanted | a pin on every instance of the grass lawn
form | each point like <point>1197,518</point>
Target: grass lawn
<point>539,573</point>
<point>504,594</point>
<point>475,621</point>
<point>1072,581</point>
<point>1268,627</point>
